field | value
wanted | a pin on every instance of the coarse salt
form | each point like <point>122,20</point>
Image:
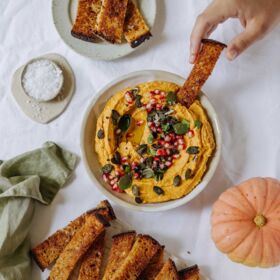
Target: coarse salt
<point>42,80</point>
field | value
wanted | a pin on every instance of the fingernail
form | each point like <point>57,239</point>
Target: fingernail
<point>232,54</point>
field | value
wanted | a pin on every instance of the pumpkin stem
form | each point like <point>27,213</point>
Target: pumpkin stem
<point>260,220</point>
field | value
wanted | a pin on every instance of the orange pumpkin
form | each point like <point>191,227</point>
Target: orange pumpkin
<point>246,222</point>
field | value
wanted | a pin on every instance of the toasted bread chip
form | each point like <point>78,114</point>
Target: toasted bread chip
<point>189,273</point>
<point>110,20</point>
<point>49,250</point>
<point>91,264</point>
<point>85,24</point>
<point>202,69</point>
<point>79,244</point>
<point>168,271</point>
<point>154,267</point>
<point>121,246</point>
<point>143,250</point>
<point>136,31</point>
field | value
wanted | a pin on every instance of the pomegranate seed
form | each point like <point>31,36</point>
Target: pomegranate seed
<point>152,92</point>
<point>117,173</point>
<point>115,187</point>
<point>129,134</point>
<point>118,131</point>
<point>167,138</point>
<point>130,101</point>
<point>159,130</point>
<point>168,151</point>
<point>169,158</point>
<point>153,101</point>
<point>162,93</point>
<point>175,156</point>
<point>149,106</point>
<point>142,160</point>
<point>161,166</point>
<point>104,177</point>
<point>166,145</point>
<point>168,163</point>
<point>140,122</point>
<point>191,133</point>
<point>161,142</point>
<point>184,146</point>
<point>175,143</point>
<point>133,165</point>
<point>161,152</point>
<point>181,141</point>
<point>136,175</point>
<point>124,159</point>
<point>180,147</point>
<point>110,177</point>
<point>156,158</point>
<point>157,91</point>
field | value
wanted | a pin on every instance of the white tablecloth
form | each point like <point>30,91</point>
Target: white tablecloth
<point>245,93</point>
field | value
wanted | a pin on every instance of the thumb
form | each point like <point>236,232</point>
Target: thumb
<point>242,41</point>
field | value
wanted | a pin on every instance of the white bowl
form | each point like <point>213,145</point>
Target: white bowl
<point>89,155</point>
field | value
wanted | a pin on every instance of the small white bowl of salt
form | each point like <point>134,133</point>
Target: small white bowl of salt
<point>42,79</point>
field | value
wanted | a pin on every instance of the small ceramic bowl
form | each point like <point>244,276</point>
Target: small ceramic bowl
<point>89,155</point>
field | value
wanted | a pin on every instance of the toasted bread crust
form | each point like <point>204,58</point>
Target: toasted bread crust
<point>84,26</point>
<point>48,251</point>
<point>136,31</point>
<point>154,267</point>
<point>77,247</point>
<point>110,20</point>
<point>168,271</point>
<point>121,246</point>
<point>202,69</point>
<point>143,250</point>
<point>91,264</point>
<point>190,273</point>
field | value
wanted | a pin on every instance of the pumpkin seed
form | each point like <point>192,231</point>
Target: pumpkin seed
<point>138,200</point>
<point>135,190</point>
<point>116,159</point>
<point>107,168</point>
<point>181,128</point>
<point>188,174</point>
<point>177,181</point>
<point>138,101</point>
<point>135,91</point>
<point>100,134</point>
<point>148,173</point>
<point>115,117</point>
<point>124,122</point>
<point>159,175</point>
<point>158,190</point>
<point>149,161</point>
<point>197,123</point>
<point>150,139</point>
<point>125,182</point>
<point>193,150</point>
<point>142,149</point>
<point>171,98</point>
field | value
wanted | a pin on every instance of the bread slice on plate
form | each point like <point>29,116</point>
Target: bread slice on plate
<point>168,271</point>
<point>85,24</point>
<point>83,239</point>
<point>110,20</point>
<point>143,250</point>
<point>154,267</point>
<point>136,31</point>
<point>91,263</point>
<point>49,250</point>
<point>121,246</point>
<point>189,273</point>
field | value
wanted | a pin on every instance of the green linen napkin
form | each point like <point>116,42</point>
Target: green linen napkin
<point>34,176</point>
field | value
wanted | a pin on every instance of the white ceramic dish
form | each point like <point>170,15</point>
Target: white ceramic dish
<point>64,14</point>
<point>88,134</point>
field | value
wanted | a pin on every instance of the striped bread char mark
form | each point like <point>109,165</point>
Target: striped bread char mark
<point>77,247</point>
<point>49,250</point>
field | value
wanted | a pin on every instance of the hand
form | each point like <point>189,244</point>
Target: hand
<point>257,17</point>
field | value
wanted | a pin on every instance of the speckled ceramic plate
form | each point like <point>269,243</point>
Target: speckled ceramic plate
<point>88,134</point>
<point>64,14</point>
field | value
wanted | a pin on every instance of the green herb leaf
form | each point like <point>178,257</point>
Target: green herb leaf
<point>115,117</point>
<point>148,173</point>
<point>125,182</point>
<point>152,152</point>
<point>193,150</point>
<point>107,168</point>
<point>150,139</point>
<point>158,190</point>
<point>181,128</point>
<point>171,98</point>
<point>177,181</point>
<point>127,169</point>
<point>188,174</point>
<point>124,122</point>
<point>100,134</point>
<point>165,127</point>
<point>197,124</point>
